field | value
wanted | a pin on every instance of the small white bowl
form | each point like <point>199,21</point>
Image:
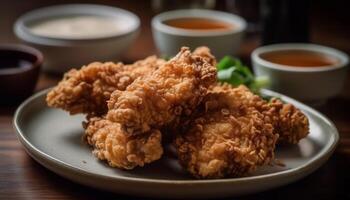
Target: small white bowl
<point>310,84</point>
<point>61,54</point>
<point>170,39</point>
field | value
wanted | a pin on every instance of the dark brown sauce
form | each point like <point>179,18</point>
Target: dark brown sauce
<point>199,24</point>
<point>9,64</point>
<point>15,60</point>
<point>300,58</point>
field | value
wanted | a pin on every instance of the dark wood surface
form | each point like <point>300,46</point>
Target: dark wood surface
<point>23,178</point>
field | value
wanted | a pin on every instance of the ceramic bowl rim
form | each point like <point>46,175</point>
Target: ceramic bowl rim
<point>39,58</point>
<point>343,57</point>
<point>157,22</point>
<point>22,31</point>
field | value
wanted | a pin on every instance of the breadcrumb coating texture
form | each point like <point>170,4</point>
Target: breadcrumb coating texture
<point>226,138</point>
<point>87,90</point>
<point>234,131</point>
<point>110,143</point>
<point>157,99</point>
<point>289,122</point>
<point>292,125</point>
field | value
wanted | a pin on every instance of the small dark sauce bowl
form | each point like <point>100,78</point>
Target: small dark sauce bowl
<point>19,71</point>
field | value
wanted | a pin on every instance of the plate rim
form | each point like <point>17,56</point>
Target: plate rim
<point>325,153</point>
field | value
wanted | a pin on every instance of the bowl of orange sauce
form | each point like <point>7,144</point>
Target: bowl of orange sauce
<point>222,32</point>
<point>308,72</point>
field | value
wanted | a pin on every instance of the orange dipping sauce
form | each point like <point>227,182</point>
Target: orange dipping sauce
<point>300,58</point>
<point>199,24</point>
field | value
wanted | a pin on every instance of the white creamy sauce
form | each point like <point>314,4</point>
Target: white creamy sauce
<point>79,27</point>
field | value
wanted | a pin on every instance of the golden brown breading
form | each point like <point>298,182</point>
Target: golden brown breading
<point>154,100</point>
<point>110,143</point>
<point>204,52</point>
<point>292,125</point>
<point>87,90</point>
<point>288,121</point>
<point>144,67</point>
<point>226,137</point>
<point>234,131</point>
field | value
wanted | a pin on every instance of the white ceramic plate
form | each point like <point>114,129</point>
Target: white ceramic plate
<point>53,138</point>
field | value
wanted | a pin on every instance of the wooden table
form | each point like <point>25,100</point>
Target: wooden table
<point>23,178</point>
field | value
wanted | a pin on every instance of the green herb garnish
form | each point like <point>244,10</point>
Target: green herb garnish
<point>165,57</point>
<point>231,70</point>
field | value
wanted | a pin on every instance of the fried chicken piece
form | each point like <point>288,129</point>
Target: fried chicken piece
<point>291,124</point>
<point>159,98</point>
<point>227,137</point>
<point>234,131</point>
<point>110,143</point>
<point>88,89</point>
<point>288,121</point>
<point>204,52</point>
<point>143,67</point>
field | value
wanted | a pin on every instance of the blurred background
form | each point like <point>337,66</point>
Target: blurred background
<point>323,22</point>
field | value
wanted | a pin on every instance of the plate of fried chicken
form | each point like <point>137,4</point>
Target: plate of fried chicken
<point>161,128</point>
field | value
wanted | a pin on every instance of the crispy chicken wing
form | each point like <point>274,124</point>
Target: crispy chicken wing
<point>110,143</point>
<point>87,90</point>
<point>174,89</point>
<point>226,137</point>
